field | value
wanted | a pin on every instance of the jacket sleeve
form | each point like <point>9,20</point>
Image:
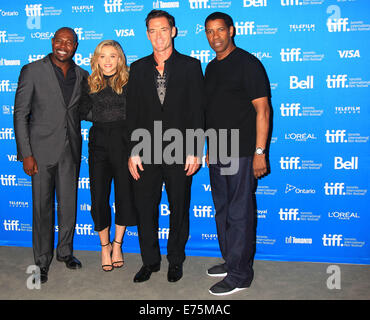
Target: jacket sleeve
<point>196,101</point>
<point>22,113</point>
<point>132,106</point>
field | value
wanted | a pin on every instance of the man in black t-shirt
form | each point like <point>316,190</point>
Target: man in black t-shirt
<point>237,92</point>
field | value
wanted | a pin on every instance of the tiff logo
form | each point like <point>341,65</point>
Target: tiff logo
<point>113,6</point>
<point>163,233</point>
<point>84,229</point>
<point>335,136</point>
<point>7,134</point>
<point>8,180</point>
<point>290,3</point>
<point>34,57</point>
<point>288,214</point>
<point>290,110</point>
<point>4,86</point>
<point>3,36</point>
<point>202,55</point>
<point>84,183</point>
<point>334,189</point>
<point>199,4</point>
<point>33,10</point>
<point>244,28</point>
<point>289,163</point>
<point>79,33</point>
<point>11,225</point>
<point>337,25</point>
<point>293,54</point>
<point>336,81</point>
<point>203,211</point>
<point>334,240</point>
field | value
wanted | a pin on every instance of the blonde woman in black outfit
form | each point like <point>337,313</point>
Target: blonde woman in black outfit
<point>103,101</point>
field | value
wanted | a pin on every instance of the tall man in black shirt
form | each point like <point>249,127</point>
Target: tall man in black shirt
<point>164,88</point>
<point>48,136</point>
<point>237,91</point>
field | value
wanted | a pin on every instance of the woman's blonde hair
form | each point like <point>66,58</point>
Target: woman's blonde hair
<point>97,81</point>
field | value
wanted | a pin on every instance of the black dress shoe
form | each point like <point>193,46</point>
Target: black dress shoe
<point>71,262</point>
<point>174,272</point>
<point>43,276</point>
<point>145,272</point>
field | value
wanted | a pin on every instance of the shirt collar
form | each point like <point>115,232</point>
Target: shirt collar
<point>170,59</point>
<point>72,63</point>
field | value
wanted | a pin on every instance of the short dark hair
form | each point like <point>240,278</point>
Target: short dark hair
<point>75,37</point>
<point>157,14</point>
<point>220,15</point>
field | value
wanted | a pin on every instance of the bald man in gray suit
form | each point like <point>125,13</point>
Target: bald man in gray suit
<point>48,136</point>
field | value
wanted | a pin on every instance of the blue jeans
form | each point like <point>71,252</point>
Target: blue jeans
<point>235,204</point>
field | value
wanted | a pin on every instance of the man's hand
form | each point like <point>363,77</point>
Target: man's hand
<point>191,165</point>
<point>133,163</point>
<point>259,165</point>
<point>30,166</point>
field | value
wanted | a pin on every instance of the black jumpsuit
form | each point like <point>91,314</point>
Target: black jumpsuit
<point>108,156</point>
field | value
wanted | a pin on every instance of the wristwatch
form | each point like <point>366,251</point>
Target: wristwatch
<point>259,151</point>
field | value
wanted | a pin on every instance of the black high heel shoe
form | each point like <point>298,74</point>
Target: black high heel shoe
<point>114,262</point>
<point>108,265</point>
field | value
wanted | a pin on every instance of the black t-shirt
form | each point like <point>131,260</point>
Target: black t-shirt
<point>231,84</point>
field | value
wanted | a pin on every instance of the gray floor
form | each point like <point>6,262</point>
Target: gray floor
<point>273,280</point>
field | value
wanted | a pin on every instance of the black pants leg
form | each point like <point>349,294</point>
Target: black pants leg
<point>178,188</point>
<point>107,163</point>
<point>148,193</point>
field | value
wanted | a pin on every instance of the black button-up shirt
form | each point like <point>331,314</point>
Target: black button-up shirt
<point>67,83</point>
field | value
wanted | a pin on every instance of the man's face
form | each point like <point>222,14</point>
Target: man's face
<point>160,34</point>
<point>219,36</point>
<point>63,45</point>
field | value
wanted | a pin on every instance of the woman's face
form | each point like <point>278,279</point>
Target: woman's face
<point>108,60</point>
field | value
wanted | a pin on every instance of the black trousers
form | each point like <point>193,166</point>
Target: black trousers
<point>60,179</point>
<point>147,194</point>
<point>234,199</point>
<point>107,162</point>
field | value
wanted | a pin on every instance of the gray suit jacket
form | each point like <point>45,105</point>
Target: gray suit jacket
<point>42,120</point>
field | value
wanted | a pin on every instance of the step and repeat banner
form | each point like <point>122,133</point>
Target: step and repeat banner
<point>314,205</point>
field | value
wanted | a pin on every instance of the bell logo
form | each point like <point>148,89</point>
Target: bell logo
<point>294,83</point>
<point>346,165</point>
<point>254,3</point>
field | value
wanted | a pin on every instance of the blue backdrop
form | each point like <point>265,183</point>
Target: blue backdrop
<point>314,204</point>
